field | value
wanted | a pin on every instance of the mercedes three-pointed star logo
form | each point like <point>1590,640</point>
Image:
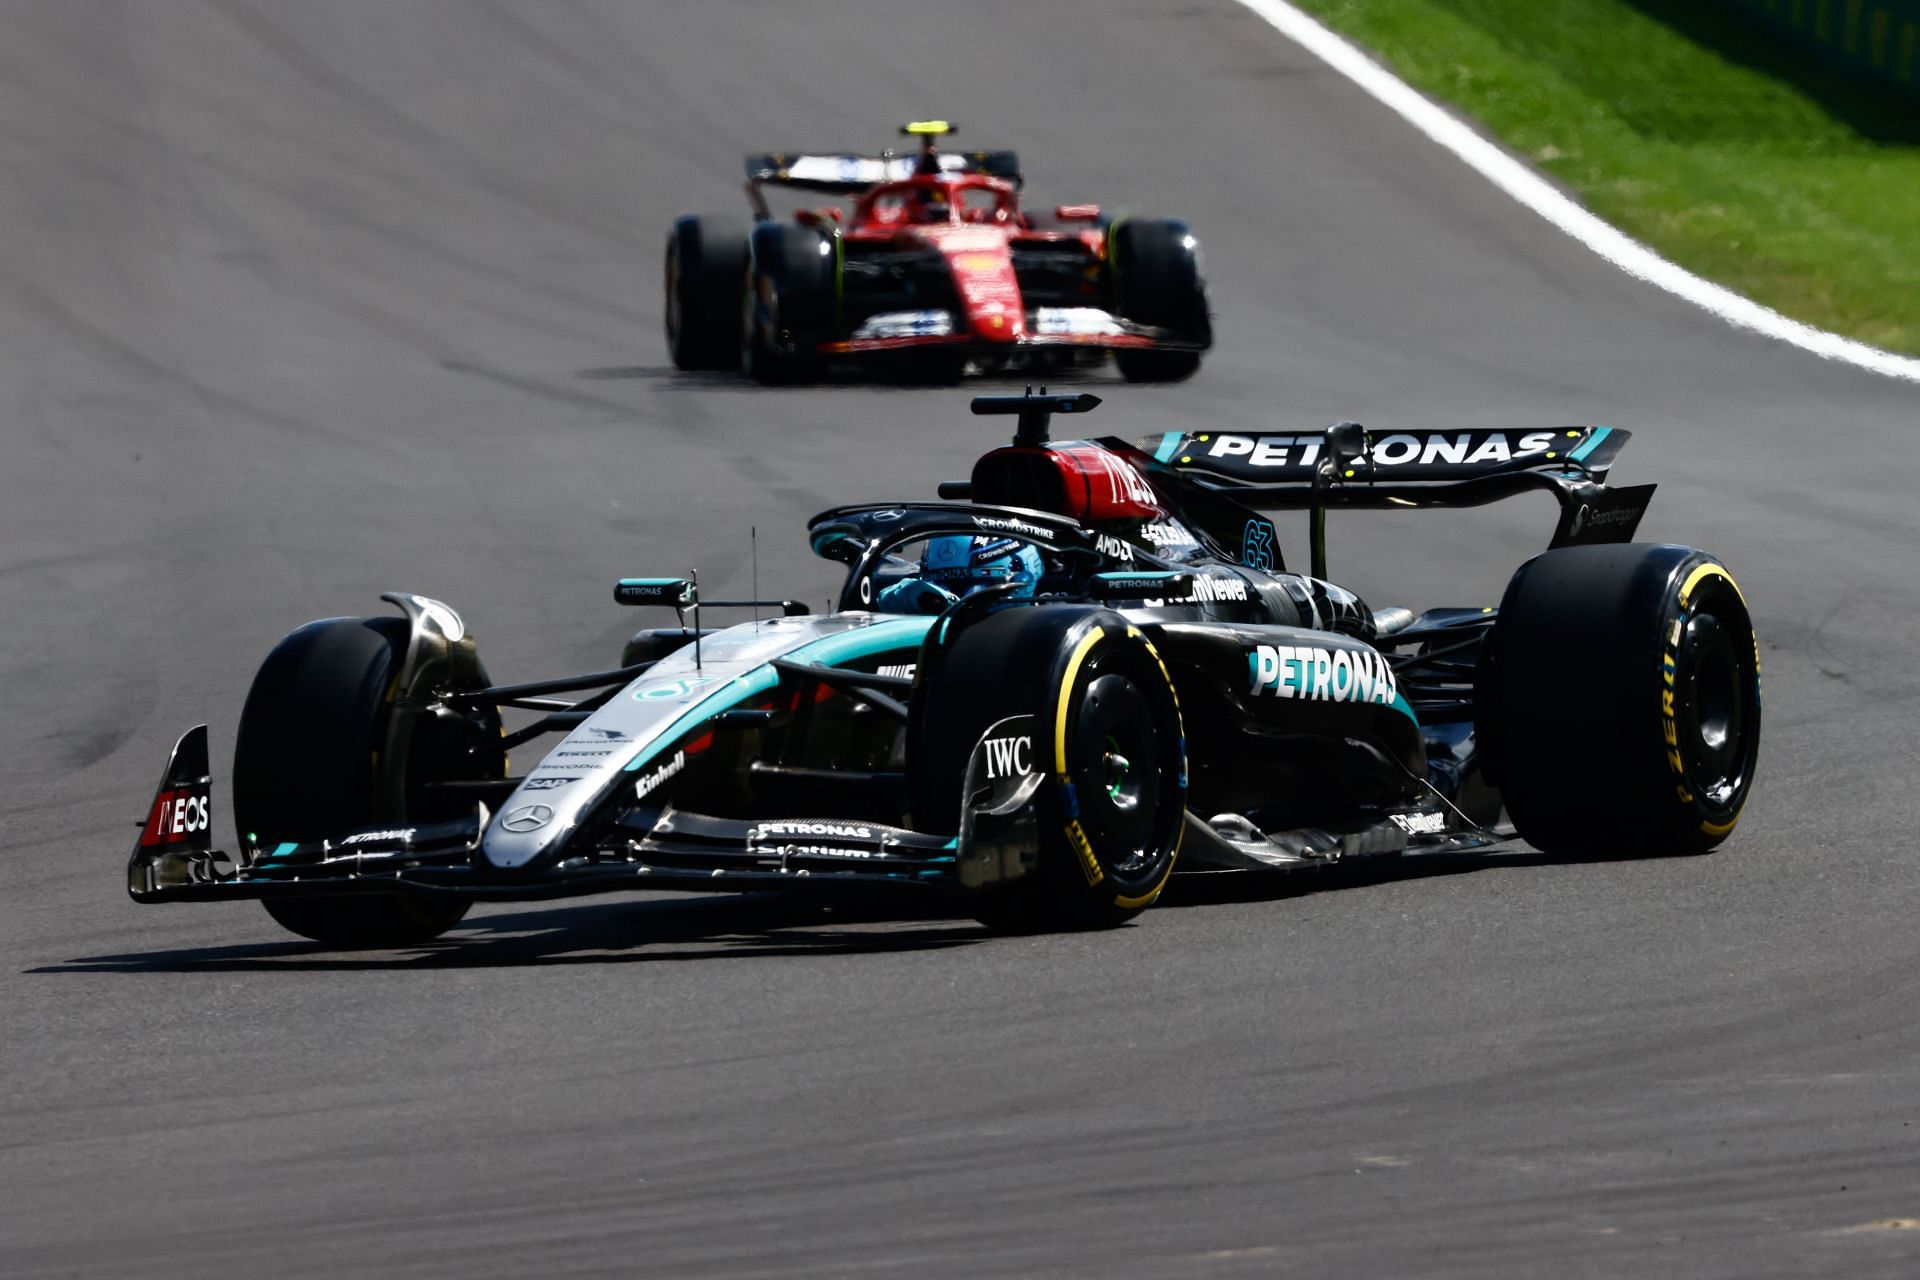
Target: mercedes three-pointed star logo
<point>528,817</point>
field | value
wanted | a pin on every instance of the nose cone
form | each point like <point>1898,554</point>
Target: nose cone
<point>989,291</point>
<point>523,830</point>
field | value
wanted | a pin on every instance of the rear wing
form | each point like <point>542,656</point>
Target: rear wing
<point>846,174</point>
<point>1350,467</point>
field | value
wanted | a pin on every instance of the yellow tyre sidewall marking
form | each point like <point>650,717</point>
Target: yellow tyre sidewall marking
<point>1079,656</point>
<point>1076,835</point>
<point>1707,570</point>
<point>1699,574</point>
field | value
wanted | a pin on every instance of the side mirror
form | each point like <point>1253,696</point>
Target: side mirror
<point>1077,212</point>
<point>675,593</point>
<point>843,543</point>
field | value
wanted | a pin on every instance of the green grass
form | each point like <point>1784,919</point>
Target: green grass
<point>1722,147</point>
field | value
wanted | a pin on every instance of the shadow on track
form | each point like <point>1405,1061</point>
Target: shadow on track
<point>730,927</point>
<point>761,925</point>
<point>1208,889</point>
<point>668,378</point>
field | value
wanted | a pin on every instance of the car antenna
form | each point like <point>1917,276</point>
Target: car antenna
<point>753,556</point>
<point>693,576</point>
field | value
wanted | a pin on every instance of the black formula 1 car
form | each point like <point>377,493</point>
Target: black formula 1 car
<point>1090,665</point>
<point>934,265</point>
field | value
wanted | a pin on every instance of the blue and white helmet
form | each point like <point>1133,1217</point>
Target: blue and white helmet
<point>959,564</point>
<point>962,564</point>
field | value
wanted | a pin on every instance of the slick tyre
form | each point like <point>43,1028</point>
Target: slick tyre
<point>1619,701</point>
<point>1154,267</point>
<point>307,765</point>
<point>789,305</point>
<point>706,260</point>
<point>1108,733</point>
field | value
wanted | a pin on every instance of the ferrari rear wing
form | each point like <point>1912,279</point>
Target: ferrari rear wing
<point>1348,466</point>
<point>847,173</point>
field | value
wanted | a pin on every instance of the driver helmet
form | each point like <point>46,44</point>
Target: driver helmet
<point>932,205</point>
<point>963,564</point>
<point>955,565</point>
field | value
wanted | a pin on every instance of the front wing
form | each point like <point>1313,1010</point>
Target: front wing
<point>1122,335</point>
<point>643,849</point>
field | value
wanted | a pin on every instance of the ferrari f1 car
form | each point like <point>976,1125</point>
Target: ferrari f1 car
<point>935,266</point>
<point>1087,667</point>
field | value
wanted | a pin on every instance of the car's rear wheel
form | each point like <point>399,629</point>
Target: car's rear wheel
<point>705,262</point>
<point>308,765</point>
<point>1154,269</point>
<point>1112,813</point>
<point>1619,701</point>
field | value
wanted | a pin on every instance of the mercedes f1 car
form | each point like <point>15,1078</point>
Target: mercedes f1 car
<point>1086,666</point>
<point>934,266</point>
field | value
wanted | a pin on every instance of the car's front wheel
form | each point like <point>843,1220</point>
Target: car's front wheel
<point>1108,732</point>
<point>308,765</point>
<point>1154,270</point>
<point>788,307</point>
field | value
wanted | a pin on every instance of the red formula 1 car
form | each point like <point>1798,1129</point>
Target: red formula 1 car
<point>935,267</point>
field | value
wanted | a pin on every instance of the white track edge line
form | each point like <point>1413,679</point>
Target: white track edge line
<point>1533,191</point>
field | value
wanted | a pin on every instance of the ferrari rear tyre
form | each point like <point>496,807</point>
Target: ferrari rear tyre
<point>1109,732</point>
<point>1154,267</point>
<point>1157,366</point>
<point>307,765</point>
<point>705,263</point>
<point>1619,701</point>
<point>789,305</point>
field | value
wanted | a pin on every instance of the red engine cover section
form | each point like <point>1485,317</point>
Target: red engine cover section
<point>1073,478</point>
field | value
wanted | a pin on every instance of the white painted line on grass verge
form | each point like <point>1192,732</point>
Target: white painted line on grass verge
<point>1533,191</point>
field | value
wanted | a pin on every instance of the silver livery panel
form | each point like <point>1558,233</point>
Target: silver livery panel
<point>619,740</point>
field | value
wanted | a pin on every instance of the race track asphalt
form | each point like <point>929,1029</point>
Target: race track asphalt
<point>300,302</point>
